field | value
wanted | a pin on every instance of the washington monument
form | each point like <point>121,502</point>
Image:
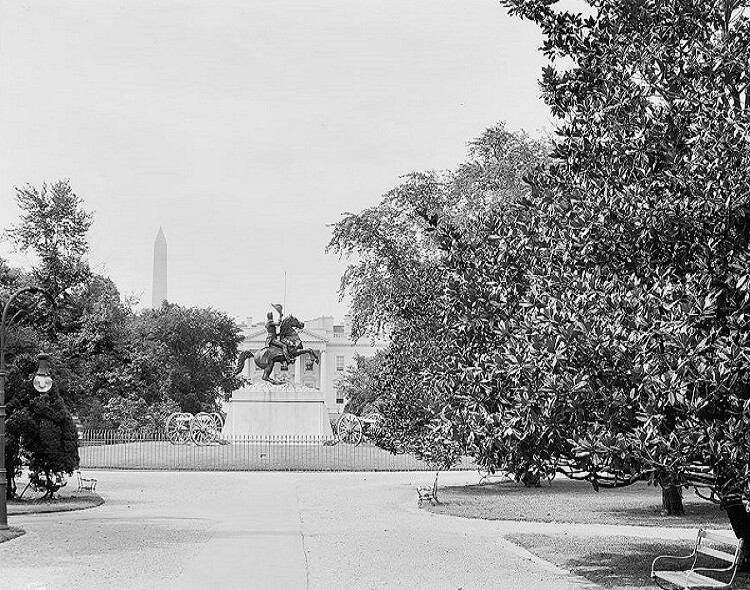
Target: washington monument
<point>159,285</point>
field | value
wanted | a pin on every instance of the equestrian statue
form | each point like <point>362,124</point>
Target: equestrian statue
<point>283,345</point>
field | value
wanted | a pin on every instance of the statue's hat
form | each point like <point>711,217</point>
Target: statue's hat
<point>278,308</point>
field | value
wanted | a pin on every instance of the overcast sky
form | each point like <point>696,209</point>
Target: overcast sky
<point>245,127</point>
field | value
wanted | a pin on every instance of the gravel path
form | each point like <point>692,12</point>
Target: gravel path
<point>321,531</point>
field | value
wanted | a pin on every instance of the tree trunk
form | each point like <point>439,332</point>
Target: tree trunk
<point>531,480</point>
<point>740,521</point>
<point>671,501</point>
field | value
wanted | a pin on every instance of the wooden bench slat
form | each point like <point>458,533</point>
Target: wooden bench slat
<point>689,579</point>
<point>729,557</point>
<point>719,536</point>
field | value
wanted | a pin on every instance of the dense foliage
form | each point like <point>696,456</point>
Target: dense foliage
<point>112,366</point>
<point>398,279</point>
<point>129,414</point>
<point>193,350</point>
<point>40,431</point>
<point>360,384</point>
<point>595,320</point>
<point>53,227</point>
<point>634,307</point>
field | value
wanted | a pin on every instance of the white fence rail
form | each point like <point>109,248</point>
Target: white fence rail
<point>111,449</point>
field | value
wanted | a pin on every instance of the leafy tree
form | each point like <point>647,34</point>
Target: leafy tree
<point>392,275</point>
<point>399,278</point>
<point>53,226</point>
<point>598,320</point>
<point>192,353</point>
<point>360,385</point>
<point>113,367</point>
<point>96,346</point>
<point>394,280</point>
<point>649,191</point>
<point>127,414</point>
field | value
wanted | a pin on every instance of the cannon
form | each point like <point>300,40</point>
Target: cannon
<point>351,429</point>
<point>182,428</point>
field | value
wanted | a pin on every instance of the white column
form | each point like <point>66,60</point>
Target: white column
<point>298,368</point>
<point>323,380</point>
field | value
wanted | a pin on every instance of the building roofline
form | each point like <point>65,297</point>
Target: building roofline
<point>315,335</point>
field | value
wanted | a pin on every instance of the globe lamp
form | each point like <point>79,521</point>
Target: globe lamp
<point>42,379</point>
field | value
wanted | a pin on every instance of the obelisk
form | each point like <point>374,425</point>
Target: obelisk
<point>159,284</point>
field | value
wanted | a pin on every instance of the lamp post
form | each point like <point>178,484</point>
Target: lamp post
<point>5,323</point>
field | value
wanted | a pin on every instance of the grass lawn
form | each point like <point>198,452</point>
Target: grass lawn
<point>620,563</point>
<point>613,562</point>
<point>247,456</point>
<point>63,502</point>
<point>67,498</point>
<point>566,500</point>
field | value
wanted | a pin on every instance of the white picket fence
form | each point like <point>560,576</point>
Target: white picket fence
<point>110,449</point>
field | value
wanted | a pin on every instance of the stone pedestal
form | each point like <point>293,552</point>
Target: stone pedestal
<point>291,409</point>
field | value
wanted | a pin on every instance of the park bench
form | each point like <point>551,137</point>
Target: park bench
<point>706,552</point>
<point>85,484</point>
<point>60,482</point>
<point>428,494</point>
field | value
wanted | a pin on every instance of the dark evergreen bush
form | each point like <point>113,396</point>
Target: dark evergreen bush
<point>41,433</point>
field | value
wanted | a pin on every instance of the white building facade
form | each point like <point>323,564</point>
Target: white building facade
<point>336,350</point>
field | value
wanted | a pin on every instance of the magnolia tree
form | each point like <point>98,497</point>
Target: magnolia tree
<point>629,316</point>
<point>600,321</point>
<point>595,320</point>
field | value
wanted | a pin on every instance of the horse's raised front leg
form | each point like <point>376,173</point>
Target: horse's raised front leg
<point>311,352</point>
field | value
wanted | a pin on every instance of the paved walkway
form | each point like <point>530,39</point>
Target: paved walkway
<point>320,531</point>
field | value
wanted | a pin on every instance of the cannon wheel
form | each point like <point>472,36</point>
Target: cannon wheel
<point>177,429</point>
<point>219,421</point>
<point>203,429</point>
<point>349,429</point>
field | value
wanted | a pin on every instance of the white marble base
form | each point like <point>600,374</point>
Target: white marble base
<point>290,409</point>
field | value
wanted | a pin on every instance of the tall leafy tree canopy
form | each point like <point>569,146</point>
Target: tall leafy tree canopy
<point>53,226</point>
<point>399,279</point>
<point>195,350</point>
<point>596,320</point>
<point>643,223</point>
<point>111,366</point>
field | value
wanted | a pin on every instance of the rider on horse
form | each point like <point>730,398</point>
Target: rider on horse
<point>272,328</point>
<point>282,346</point>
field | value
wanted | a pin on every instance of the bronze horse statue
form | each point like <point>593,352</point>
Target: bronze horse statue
<point>267,357</point>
